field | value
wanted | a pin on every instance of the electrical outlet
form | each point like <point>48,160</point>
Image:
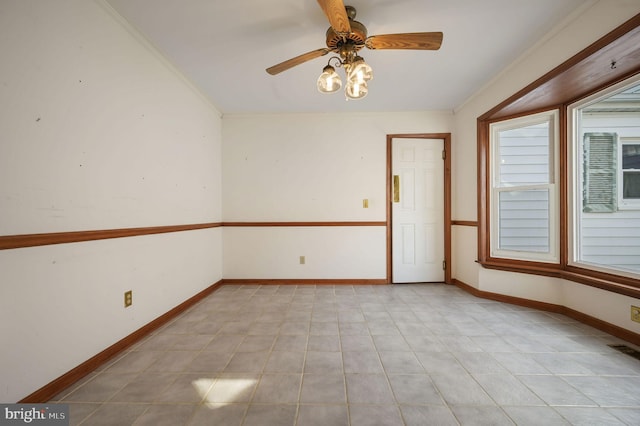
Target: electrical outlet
<point>128,298</point>
<point>302,260</point>
<point>635,313</point>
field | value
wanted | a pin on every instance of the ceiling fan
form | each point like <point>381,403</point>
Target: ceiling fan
<point>346,37</point>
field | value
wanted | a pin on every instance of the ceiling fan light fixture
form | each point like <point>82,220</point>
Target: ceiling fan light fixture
<point>356,89</point>
<point>358,74</point>
<point>345,38</point>
<point>329,81</point>
<point>359,71</point>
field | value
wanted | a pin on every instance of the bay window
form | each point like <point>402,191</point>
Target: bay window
<point>559,170</point>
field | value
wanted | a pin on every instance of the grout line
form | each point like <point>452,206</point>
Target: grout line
<point>329,302</point>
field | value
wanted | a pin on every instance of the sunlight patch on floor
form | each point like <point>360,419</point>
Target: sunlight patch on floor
<point>217,393</point>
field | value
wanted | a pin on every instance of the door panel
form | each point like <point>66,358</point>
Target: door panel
<point>408,244</point>
<point>418,216</point>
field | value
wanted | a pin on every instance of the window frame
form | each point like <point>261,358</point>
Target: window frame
<point>575,187</point>
<point>551,117</point>
<point>624,203</point>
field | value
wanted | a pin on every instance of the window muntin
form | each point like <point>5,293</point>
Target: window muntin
<point>523,195</point>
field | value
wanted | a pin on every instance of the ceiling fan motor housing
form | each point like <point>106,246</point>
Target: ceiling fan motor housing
<point>357,36</point>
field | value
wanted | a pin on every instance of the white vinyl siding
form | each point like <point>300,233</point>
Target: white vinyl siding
<point>524,220</point>
<point>611,240</point>
<point>524,155</point>
<point>524,207</point>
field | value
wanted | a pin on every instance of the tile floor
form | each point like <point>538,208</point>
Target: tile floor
<point>362,355</point>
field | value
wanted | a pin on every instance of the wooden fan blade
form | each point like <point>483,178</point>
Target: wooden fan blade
<point>283,66</point>
<point>337,15</point>
<point>412,41</point>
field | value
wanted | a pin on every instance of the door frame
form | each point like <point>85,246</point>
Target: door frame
<point>447,198</point>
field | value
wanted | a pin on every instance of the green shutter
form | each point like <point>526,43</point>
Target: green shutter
<point>600,170</point>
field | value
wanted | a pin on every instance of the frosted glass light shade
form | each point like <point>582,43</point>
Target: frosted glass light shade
<point>360,71</point>
<point>329,81</point>
<point>356,90</point>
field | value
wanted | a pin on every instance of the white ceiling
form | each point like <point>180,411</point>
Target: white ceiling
<point>224,47</point>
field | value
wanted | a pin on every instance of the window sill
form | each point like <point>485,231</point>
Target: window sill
<point>609,282</point>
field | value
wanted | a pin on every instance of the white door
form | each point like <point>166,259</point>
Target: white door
<point>418,210</point>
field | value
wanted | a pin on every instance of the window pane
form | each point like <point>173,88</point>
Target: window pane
<point>631,185</point>
<point>524,221</point>
<point>631,156</point>
<point>608,238</point>
<point>611,240</point>
<point>524,155</point>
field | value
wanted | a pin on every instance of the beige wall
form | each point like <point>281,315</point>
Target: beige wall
<point>310,168</point>
<point>98,133</point>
